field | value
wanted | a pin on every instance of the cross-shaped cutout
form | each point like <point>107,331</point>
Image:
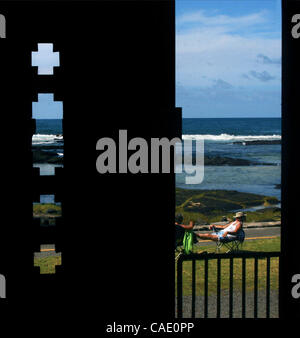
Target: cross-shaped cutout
<point>47,259</point>
<point>47,210</point>
<point>47,108</point>
<point>47,169</point>
<point>47,206</point>
<point>45,59</point>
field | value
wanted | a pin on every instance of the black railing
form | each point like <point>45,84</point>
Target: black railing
<point>218,258</point>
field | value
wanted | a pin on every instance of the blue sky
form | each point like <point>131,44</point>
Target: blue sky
<point>46,60</point>
<point>47,108</point>
<point>228,58</point>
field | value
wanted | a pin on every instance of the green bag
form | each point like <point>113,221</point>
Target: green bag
<point>188,240</point>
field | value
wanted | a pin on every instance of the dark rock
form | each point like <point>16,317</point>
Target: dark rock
<point>51,211</point>
<point>221,161</point>
<point>46,147</point>
<point>258,142</point>
<point>43,156</point>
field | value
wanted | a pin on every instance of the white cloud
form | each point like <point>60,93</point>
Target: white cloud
<point>215,48</point>
<point>202,18</point>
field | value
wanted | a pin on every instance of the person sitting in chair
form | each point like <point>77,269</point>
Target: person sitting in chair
<point>184,234</point>
<point>227,232</point>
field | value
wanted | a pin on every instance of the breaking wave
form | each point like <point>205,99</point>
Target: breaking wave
<point>227,137</point>
<point>46,139</point>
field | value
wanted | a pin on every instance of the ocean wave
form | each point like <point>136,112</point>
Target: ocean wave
<point>49,138</point>
<point>46,138</point>
<point>227,137</point>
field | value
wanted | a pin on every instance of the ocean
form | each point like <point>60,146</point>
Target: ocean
<point>47,131</point>
<point>48,136</point>
<point>220,135</point>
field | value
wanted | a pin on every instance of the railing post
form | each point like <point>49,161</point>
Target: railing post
<point>218,258</point>
<point>206,288</point>
<point>243,287</point>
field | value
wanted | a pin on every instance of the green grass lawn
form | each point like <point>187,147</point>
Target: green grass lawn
<point>47,264</point>
<point>272,244</point>
<point>255,245</point>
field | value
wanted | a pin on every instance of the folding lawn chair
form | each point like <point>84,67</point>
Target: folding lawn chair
<point>232,244</point>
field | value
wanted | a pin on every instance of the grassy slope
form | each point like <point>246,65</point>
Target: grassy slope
<point>206,206</point>
<point>46,210</point>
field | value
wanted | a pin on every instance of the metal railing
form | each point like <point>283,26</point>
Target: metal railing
<point>218,258</point>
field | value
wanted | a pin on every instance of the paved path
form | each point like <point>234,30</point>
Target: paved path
<point>237,305</point>
<point>262,232</point>
<point>46,251</point>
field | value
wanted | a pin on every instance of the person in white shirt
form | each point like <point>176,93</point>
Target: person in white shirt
<point>228,232</point>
